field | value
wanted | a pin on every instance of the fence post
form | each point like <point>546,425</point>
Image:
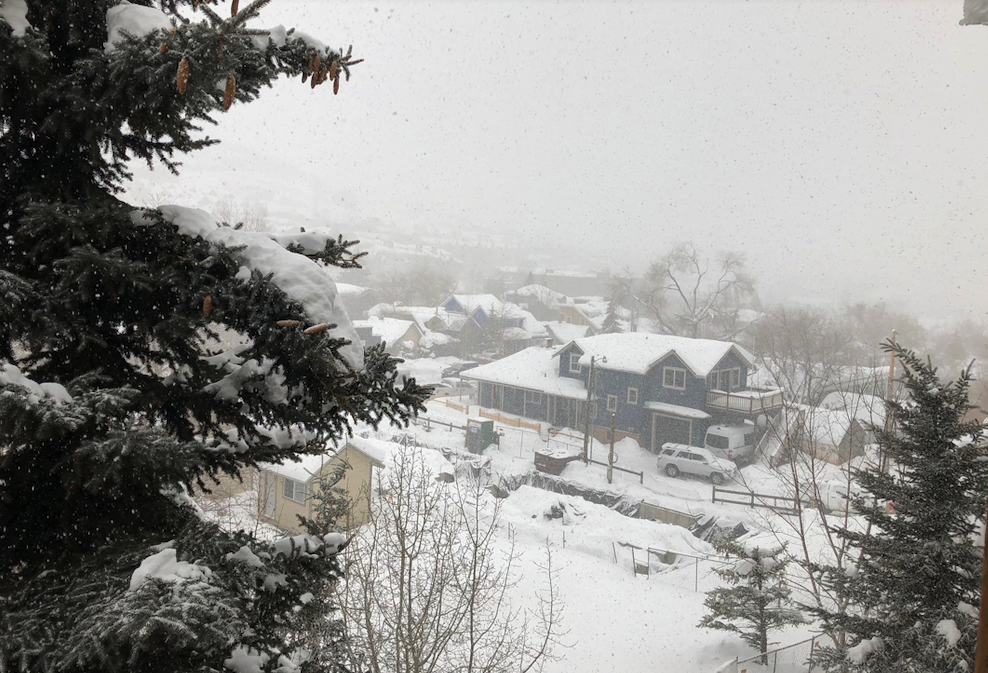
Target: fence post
<point>713,495</point>
<point>809,663</point>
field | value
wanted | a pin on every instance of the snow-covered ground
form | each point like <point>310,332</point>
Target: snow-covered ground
<point>613,617</point>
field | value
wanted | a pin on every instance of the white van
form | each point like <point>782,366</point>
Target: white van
<point>734,442</point>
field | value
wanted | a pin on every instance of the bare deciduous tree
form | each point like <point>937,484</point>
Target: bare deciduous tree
<point>427,589</point>
<point>688,296</point>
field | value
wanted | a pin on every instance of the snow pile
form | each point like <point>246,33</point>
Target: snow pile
<point>948,629</point>
<point>11,375</point>
<point>165,566</point>
<point>425,371</point>
<point>246,555</point>
<point>133,19</point>
<point>299,277</point>
<point>246,660</point>
<point>308,546</point>
<point>14,12</point>
<point>864,649</point>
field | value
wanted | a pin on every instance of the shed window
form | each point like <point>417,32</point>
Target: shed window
<point>632,395</point>
<point>574,363</point>
<point>674,377</point>
<point>612,402</point>
<point>533,397</point>
<point>294,490</point>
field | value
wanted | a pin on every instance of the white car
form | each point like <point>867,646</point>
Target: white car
<point>676,459</point>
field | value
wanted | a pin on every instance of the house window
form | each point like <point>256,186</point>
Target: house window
<point>569,320</point>
<point>726,380</point>
<point>574,363</point>
<point>674,377</point>
<point>294,490</point>
<point>533,397</point>
<point>632,395</point>
<point>612,402</point>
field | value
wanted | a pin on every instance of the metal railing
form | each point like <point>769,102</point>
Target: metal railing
<point>777,503</point>
<point>748,404</point>
<point>795,658</point>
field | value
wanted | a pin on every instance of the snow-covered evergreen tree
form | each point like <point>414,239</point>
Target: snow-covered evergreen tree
<point>610,325</point>
<point>757,598</point>
<point>914,587</point>
<point>117,394</point>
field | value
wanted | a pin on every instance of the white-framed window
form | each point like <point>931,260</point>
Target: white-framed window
<point>294,490</point>
<point>727,380</point>
<point>632,395</point>
<point>674,377</point>
<point>533,397</point>
<point>612,402</point>
<point>574,363</point>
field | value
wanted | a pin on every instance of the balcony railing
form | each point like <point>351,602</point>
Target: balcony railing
<point>747,402</point>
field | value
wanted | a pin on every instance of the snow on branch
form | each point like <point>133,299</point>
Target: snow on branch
<point>301,278</point>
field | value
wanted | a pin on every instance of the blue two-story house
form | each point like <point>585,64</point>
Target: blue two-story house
<point>658,388</point>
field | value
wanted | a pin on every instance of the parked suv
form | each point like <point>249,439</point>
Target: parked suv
<point>683,458</point>
<point>733,442</point>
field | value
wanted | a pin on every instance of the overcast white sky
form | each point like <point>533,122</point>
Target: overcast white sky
<point>843,146</point>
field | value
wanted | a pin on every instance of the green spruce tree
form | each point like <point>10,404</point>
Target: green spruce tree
<point>610,324</point>
<point>757,598</point>
<point>914,586</point>
<point>145,353</point>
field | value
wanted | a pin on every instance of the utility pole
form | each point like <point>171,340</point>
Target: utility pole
<point>610,456</point>
<point>586,421</point>
<point>889,394</point>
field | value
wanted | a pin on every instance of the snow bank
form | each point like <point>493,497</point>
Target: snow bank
<point>165,566</point>
<point>134,19</point>
<point>304,280</point>
<point>14,12</point>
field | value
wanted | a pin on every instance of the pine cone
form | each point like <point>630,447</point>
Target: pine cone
<point>231,89</point>
<point>207,305</point>
<point>182,79</point>
<point>234,7</point>
<point>316,329</point>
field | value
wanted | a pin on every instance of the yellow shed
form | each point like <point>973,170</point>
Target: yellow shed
<point>285,491</point>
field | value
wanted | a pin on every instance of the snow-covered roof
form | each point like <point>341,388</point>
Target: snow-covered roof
<point>348,290</point>
<point>676,410</point>
<point>868,409</point>
<point>564,332</point>
<point>375,449</point>
<point>471,302</point>
<point>306,467</point>
<point>391,330</point>
<point>542,293</point>
<point>638,352</point>
<point>533,369</point>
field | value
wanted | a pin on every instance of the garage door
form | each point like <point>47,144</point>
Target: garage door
<point>670,429</point>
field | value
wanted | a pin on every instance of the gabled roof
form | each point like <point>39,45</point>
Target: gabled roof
<point>308,466</point>
<point>471,302</point>
<point>391,330</point>
<point>638,352</point>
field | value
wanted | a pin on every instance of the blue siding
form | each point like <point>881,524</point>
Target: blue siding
<point>628,417</point>
<point>564,365</point>
<point>693,396</point>
<point>453,306</point>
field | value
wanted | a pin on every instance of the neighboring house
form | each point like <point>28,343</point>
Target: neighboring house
<point>563,332</point>
<point>659,388</point>
<point>831,435</point>
<point>399,336</point>
<point>285,491</point>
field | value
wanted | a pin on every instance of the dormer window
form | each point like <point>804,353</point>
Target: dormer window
<point>574,363</point>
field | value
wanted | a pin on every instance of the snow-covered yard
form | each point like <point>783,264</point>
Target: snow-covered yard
<point>613,617</point>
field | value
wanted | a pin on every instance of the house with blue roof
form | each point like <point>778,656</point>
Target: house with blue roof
<point>658,388</point>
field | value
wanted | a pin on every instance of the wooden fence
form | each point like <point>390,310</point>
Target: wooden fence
<point>777,503</point>
<point>507,420</point>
